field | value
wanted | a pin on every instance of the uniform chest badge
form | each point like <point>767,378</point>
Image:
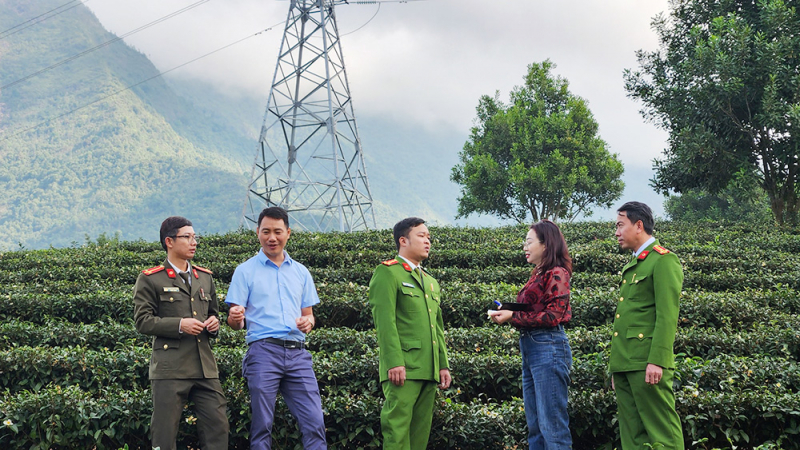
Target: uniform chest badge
<point>409,285</point>
<point>170,289</point>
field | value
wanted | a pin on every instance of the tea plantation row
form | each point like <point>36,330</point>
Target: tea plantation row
<point>74,370</point>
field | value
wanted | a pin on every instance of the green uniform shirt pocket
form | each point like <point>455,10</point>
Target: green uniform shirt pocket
<point>639,340</point>
<point>410,300</point>
<point>411,353</point>
<point>638,287</point>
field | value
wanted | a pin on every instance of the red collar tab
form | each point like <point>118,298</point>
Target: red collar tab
<point>661,250</point>
<point>390,262</point>
<point>407,267</point>
<point>171,273</point>
<point>194,272</point>
<point>643,255</point>
<point>153,270</point>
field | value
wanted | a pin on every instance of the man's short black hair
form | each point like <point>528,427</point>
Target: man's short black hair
<point>637,211</point>
<point>274,212</point>
<point>170,227</point>
<point>403,228</point>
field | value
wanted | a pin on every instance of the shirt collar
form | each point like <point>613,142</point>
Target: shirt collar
<point>644,246</point>
<point>179,271</point>
<point>262,257</point>
<point>413,266</point>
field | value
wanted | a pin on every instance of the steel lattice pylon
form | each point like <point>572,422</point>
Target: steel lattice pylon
<point>309,159</point>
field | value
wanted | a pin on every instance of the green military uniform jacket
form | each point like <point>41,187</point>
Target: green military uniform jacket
<point>647,311</point>
<point>161,299</point>
<point>409,322</point>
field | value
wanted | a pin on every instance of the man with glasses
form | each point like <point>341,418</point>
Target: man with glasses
<point>176,303</point>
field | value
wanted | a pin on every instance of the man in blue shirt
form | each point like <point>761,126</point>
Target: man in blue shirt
<point>273,295</point>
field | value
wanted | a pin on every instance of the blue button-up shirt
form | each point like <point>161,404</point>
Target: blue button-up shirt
<point>272,296</point>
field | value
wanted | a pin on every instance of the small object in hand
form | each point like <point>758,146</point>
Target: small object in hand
<point>511,306</point>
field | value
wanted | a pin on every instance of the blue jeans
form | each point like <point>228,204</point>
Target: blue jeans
<point>546,363</point>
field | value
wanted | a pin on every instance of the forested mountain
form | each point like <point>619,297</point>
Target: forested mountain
<point>164,147</point>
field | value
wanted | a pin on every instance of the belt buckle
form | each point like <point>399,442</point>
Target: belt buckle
<point>291,344</point>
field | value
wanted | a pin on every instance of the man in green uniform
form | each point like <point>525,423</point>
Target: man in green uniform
<point>413,357</point>
<point>176,303</point>
<point>642,362</point>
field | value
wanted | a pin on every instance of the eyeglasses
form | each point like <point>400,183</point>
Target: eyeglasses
<point>188,237</point>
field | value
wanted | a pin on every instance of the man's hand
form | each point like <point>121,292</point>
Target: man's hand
<point>236,317</point>
<point>652,374</point>
<point>211,324</point>
<point>500,316</point>
<point>612,383</point>
<point>397,375</point>
<point>305,323</point>
<point>192,326</point>
<point>444,379</point>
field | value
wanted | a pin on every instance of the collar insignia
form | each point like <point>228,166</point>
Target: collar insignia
<point>643,255</point>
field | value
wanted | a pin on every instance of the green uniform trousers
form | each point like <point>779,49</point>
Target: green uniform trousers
<point>646,413</point>
<point>169,398</point>
<point>407,414</point>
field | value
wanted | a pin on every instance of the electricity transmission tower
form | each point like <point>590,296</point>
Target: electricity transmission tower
<point>309,159</point>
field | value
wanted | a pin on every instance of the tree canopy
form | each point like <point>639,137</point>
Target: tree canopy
<point>539,156</point>
<point>725,84</point>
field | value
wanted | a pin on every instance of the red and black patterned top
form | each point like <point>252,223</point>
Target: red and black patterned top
<point>548,295</point>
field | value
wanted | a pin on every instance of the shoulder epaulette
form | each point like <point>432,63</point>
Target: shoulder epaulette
<point>153,270</point>
<point>203,269</point>
<point>661,250</point>
<point>390,262</point>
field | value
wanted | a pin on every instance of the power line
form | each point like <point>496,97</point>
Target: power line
<point>129,87</point>
<point>367,23</point>
<point>105,44</point>
<point>3,34</point>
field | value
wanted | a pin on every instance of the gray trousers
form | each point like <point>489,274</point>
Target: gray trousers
<point>169,398</point>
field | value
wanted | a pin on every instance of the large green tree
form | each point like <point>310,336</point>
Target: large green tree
<point>725,84</point>
<point>742,200</point>
<point>539,156</point>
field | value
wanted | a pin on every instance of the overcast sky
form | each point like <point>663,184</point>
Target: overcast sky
<point>426,63</point>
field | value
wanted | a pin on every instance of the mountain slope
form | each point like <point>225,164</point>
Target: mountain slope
<point>116,166</point>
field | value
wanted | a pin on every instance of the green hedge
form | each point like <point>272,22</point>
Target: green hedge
<point>738,343</point>
<point>57,417</point>
<point>486,376</point>
<point>345,304</point>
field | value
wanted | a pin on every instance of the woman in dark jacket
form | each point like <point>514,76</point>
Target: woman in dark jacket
<point>546,355</point>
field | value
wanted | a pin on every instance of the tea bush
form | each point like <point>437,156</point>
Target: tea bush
<point>74,370</point>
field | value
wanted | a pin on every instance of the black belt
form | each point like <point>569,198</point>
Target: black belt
<point>538,329</point>
<point>286,344</point>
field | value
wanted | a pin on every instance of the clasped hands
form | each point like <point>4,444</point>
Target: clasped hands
<point>194,327</point>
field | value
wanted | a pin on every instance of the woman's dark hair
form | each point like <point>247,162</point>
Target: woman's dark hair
<point>555,247</point>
